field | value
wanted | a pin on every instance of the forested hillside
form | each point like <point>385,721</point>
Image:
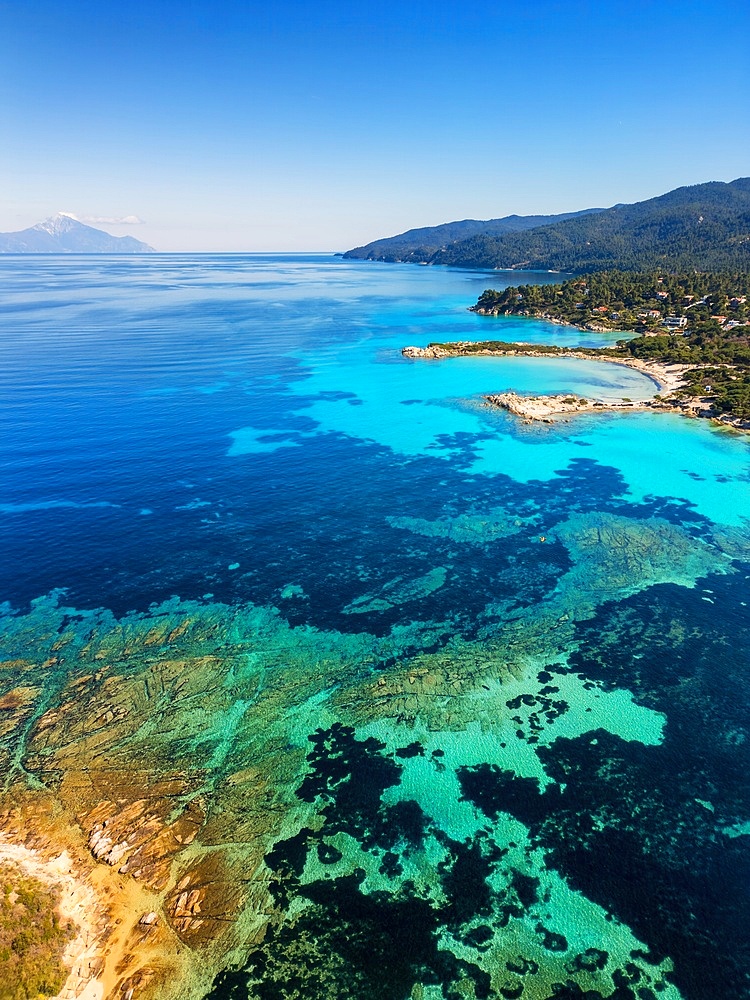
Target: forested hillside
<point>705,227</point>
<point>418,245</point>
<point>623,300</point>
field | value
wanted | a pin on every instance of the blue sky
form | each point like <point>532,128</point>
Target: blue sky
<point>325,124</point>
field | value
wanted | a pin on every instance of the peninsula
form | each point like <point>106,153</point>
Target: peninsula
<point>698,356</point>
<point>670,381</point>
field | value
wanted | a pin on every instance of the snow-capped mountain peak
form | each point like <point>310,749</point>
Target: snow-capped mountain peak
<point>62,233</point>
<point>56,224</point>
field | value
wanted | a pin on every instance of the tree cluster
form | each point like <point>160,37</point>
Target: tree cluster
<point>621,300</point>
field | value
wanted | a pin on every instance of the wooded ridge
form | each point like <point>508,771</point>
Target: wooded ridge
<point>704,227</point>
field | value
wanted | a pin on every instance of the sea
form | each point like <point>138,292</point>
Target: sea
<point>379,691</point>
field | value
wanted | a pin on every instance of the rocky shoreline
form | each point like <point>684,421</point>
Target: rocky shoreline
<point>549,408</point>
<point>668,378</point>
<point>590,327</point>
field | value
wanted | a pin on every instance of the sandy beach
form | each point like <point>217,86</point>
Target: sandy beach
<point>668,377</point>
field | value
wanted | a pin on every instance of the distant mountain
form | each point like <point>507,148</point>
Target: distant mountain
<point>420,245</point>
<point>62,234</point>
<point>705,227</point>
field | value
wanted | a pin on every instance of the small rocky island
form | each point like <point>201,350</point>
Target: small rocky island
<point>546,408</point>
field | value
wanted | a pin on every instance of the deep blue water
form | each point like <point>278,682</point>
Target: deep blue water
<point>242,431</point>
<point>165,417</point>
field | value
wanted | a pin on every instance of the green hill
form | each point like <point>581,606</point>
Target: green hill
<point>703,227</point>
<point>419,245</point>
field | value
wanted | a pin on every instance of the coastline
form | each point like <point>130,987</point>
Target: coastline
<point>589,327</point>
<point>668,379</point>
<point>121,941</point>
<point>78,905</point>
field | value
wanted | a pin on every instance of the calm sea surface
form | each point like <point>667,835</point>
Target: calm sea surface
<point>466,709</point>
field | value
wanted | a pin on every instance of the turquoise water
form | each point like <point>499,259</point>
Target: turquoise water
<point>413,406</point>
<point>451,705</point>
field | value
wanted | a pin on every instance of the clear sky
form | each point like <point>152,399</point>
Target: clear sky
<point>323,124</point>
